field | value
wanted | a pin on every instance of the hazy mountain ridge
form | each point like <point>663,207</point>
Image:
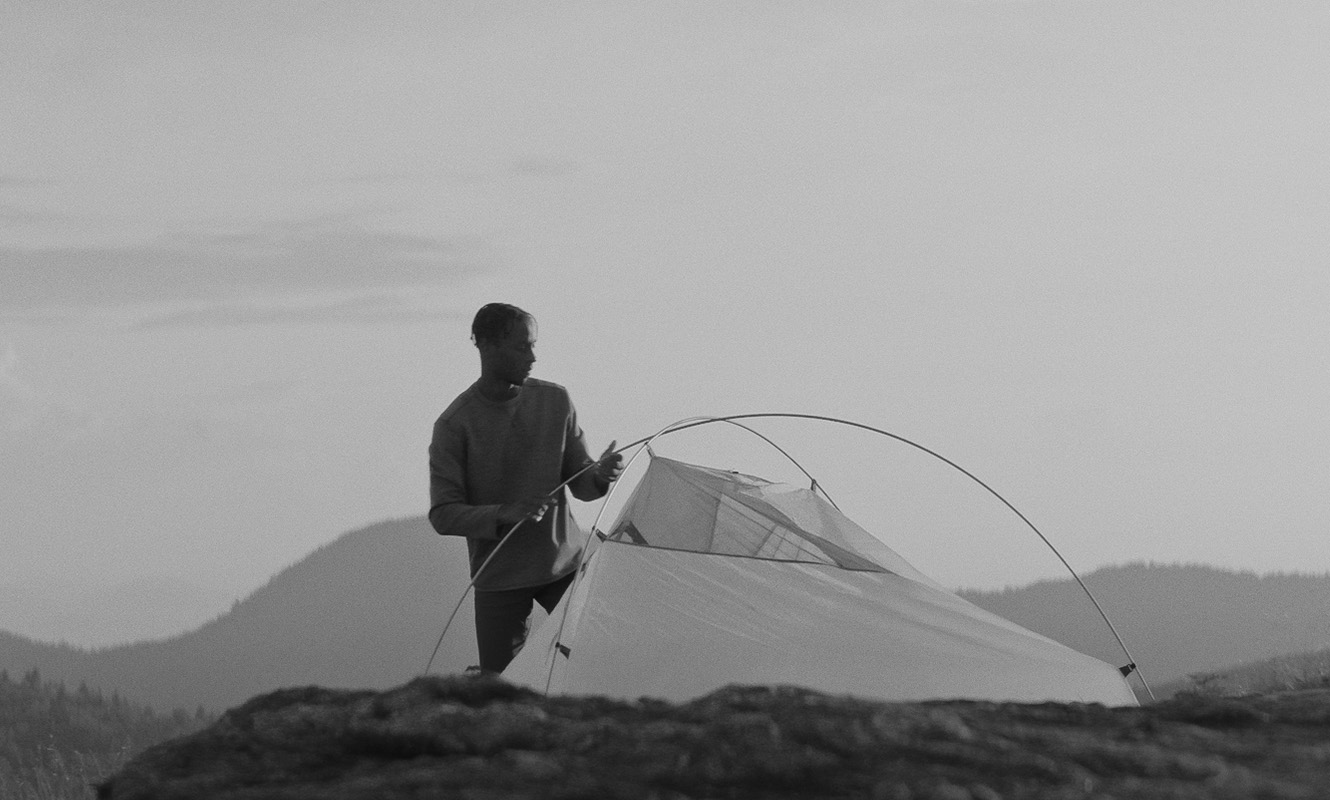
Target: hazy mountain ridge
<point>1176,619</point>
<point>365,610</point>
<point>153,606</point>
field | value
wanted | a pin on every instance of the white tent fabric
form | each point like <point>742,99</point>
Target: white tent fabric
<point>710,578</point>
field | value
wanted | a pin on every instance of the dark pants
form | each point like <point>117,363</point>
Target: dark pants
<point>502,619</point>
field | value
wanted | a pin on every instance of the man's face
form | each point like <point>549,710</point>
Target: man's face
<point>510,358</point>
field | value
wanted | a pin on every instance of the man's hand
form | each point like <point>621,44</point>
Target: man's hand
<point>533,507</point>
<point>608,467</point>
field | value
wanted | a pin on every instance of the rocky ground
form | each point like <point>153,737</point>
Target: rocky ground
<point>482,738</point>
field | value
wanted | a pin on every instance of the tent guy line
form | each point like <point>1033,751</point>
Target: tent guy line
<point>733,419</point>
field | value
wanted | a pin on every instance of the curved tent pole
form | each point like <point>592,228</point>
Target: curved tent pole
<point>693,422</point>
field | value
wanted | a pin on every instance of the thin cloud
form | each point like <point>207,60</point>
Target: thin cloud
<point>360,310</point>
<point>534,167</point>
<point>302,257</point>
<point>445,177</point>
<point>545,167</point>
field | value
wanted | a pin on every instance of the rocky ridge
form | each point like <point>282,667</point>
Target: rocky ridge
<point>483,738</point>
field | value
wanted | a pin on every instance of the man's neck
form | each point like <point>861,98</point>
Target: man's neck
<point>496,389</point>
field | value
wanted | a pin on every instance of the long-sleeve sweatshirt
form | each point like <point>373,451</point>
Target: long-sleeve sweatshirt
<point>486,453</point>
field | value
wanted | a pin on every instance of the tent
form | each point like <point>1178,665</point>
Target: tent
<point>708,578</point>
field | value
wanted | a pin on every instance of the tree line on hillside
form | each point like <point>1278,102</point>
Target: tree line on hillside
<point>52,737</point>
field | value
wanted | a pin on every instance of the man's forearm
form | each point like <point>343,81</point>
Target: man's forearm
<point>459,519</point>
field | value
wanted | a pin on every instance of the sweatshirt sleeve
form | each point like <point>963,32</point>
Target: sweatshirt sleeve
<point>449,512</point>
<point>575,458</point>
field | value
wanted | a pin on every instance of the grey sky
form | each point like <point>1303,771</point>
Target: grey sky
<point>1078,247</point>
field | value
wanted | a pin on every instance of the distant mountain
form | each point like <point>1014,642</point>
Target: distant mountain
<point>363,611</point>
<point>144,607</point>
<point>1175,619</point>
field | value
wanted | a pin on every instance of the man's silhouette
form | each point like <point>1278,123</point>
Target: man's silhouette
<point>498,452</point>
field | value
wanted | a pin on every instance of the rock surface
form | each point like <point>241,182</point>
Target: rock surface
<point>482,738</point>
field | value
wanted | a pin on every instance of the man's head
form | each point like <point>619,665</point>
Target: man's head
<point>495,320</point>
<point>505,335</point>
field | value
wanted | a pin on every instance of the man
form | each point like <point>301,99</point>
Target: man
<point>499,451</point>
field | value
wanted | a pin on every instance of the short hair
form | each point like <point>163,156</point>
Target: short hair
<point>494,320</point>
